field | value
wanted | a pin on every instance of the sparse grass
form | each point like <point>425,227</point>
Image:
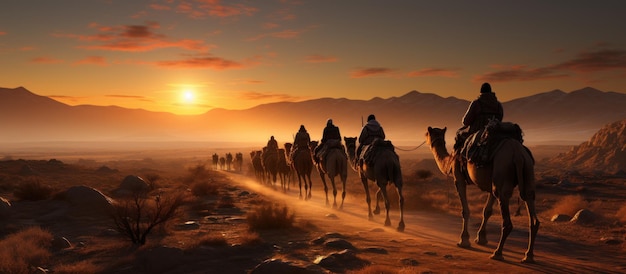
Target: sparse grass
<point>204,188</point>
<point>25,249</point>
<point>226,201</point>
<point>270,216</point>
<point>33,190</point>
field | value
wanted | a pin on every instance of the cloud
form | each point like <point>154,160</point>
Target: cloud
<point>46,60</point>
<point>124,96</point>
<point>599,60</point>
<point>67,98</point>
<point>135,38</point>
<point>253,95</point>
<point>316,58</point>
<point>434,72</point>
<point>92,60</point>
<point>207,62</point>
<point>371,72</point>
<point>3,33</point>
<point>285,34</point>
<point>207,8</point>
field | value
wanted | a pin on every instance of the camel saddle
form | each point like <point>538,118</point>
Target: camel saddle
<point>297,151</point>
<point>326,147</point>
<point>480,146</point>
<point>369,153</point>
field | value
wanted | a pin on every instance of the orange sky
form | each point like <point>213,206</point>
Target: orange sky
<point>189,56</point>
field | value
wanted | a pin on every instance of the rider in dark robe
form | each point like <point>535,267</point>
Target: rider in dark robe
<point>331,132</point>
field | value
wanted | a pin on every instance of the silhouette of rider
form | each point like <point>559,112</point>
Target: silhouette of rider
<point>331,132</point>
<point>272,145</point>
<point>370,131</point>
<point>302,139</point>
<point>480,111</point>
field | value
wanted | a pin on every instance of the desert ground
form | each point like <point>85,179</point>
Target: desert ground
<point>221,225</point>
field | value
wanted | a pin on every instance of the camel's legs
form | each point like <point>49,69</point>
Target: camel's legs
<point>401,198</point>
<point>367,197</point>
<point>379,197</point>
<point>322,175</point>
<point>343,189</point>
<point>332,181</point>
<point>507,227</point>
<point>309,195</point>
<point>382,189</point>
<point>481,237</point>
<point>461,189</point>
<point>532,232</point>
<point>300,185</point>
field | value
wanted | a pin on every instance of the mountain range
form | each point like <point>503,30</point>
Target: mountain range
<point>555,116</point>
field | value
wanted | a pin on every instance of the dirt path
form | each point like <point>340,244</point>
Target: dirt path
<point>430,238</point>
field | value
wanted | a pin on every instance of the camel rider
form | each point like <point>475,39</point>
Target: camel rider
<point>272,144</point>
<point>480,111</point>
<point>370,131</point>
<point>331,132</point>
<point>301,141</point>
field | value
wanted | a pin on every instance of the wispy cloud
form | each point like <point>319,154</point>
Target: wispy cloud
<point>586,62</point>
<point>67,98</point>
<point>316,58</point>
<point>206,8</point>
<point>92,60</point>
<point>202,62</point>
<point>134,97</point>
<point>371,72</point>
<point>46,60</point>
<point>3,33</point>
<point>137,38</point>
<point>285,34</point>
<point>434,72</point>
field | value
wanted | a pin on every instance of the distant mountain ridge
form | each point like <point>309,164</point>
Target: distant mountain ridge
<point>551,116</point>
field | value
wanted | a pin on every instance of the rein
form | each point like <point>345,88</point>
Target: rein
<point>411,148</point>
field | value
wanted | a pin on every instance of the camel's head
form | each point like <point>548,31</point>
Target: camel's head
<point>350,142</point>
<point>313,144</point>
<point>433,134</point>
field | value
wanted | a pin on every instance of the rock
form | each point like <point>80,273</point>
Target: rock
<point>378,229</point>
<point>339,244</point>
<point>60,243</point>
<point>272,266</point>
<point>133,184</point>
<point>87,200</point>
<point>331,216</point>
<point>560,218</point>
<point>583,216</point>
<point>189,225</point>
<point>377,250</point>
<point>341,261</point>
<point>5,208</point>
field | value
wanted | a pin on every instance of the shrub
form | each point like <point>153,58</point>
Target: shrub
<point>33,190</point>
<point>77,268</point>
<point>136,216</point>
<point>270,216</point>
<point>203,188</point>
<point>24,250</point>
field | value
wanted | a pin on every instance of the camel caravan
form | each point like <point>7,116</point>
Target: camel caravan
<point>228,162</point>
<point>487,153</point>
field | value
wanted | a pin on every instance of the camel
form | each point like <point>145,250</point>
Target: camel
<point>239,161</point>
<point>334,164</point>
<point>270,165</point>
<point>257,164</point>
<point>292,172</point>
<point>229,160</point>
<point>215,161</point>
<point>302,163</point>
<point>222,163</point>
<point>283,170</point>
<point>385,170</point>
<point>512,164</point>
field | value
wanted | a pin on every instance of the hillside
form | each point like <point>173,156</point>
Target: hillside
<point>553,116</point>
<point>605,151</point>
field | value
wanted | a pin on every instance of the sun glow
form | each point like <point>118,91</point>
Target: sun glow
<point>188,96</point>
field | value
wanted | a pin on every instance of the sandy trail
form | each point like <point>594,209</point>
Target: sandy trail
<point>439,233</point>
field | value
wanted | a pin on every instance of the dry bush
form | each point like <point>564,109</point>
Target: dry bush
<point>24,250</point>
<point>197,173</point>
<point>204,188</point>
<point>270,216</point>
<point>136,216</point>
<point>569,205</point>
<point>226,201</point>
<point>77,268</point>
<point>33,190</point>
<point>621,214</point>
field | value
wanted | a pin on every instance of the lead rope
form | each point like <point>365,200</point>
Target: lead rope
<point>411,148</point>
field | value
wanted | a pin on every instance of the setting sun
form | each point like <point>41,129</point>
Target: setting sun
<point>188,96</point>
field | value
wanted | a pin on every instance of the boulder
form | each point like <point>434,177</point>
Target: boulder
<point>88,200</point>
<point>584,216</point>
<point>134,183</point>
<point>5,208</point>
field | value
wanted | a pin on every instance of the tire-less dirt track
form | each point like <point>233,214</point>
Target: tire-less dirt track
<point>430,238</point>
